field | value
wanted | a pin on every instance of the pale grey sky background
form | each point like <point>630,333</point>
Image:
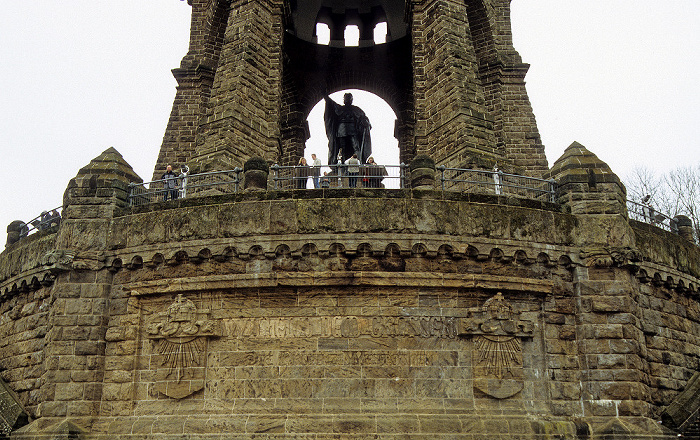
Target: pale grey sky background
<point>80,76</point>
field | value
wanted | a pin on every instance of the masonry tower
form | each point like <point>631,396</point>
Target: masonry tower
<point>448,70</point>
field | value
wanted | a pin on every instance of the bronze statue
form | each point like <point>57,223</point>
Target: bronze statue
<point>347,128</point>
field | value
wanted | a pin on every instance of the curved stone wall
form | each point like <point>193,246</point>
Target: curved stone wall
<point>406,314</point>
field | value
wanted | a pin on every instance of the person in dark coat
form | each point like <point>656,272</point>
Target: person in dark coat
<point>170,183</point>
<point>301,174</point>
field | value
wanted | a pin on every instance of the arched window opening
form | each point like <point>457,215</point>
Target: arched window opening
<point>352,35</point>
<point>385,147</point>
<point>380,31</point>
<point>323,34</point>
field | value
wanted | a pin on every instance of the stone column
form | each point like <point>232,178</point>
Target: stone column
<point>451,121</point>
<point>194,81</point>
<point>608,334</point>
<point>502,73</point>
<point>80,298</point>
<point>244,108</point>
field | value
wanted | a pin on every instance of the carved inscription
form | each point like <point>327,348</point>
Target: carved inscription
<point>342,327</point>
<point>180,335</point>
<point>498,358</point>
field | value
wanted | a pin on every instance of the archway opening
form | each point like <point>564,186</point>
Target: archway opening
<point>385,147</point>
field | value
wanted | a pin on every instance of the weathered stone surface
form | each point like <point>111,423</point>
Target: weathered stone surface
<point>350,314</point>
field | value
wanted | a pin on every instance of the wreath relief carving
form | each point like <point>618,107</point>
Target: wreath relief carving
<point>497,356</point>
<point>180,341</point>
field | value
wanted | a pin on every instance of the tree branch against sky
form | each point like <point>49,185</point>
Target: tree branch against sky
<point>672,193</point>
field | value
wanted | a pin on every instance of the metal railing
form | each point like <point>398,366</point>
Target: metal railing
<point>496,182</point>
<point>647,214</point>
<point>187,185</point>
<point>45,220</point>
<point>339,176</point>
<point>345,176</point>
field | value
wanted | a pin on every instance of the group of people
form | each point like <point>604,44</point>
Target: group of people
<point>371,174</point>
<point>172,189</point>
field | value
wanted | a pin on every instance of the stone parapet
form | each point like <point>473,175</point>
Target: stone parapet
<point>358,314</point>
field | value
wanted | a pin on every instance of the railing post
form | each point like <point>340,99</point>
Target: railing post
<point>236,187</point>
<point>275,174</point>
<point>553,190</point>
<point>130,197</point>
<point>442,169</point>
<point>497,179</point>
<point>402,175</point>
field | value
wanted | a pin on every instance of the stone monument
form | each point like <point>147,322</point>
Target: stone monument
<point>338,314</point>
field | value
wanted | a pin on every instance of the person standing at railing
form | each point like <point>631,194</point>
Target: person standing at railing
<point>315,169</point>
<point>184,172</point>
<point>353,170</point>
<point>301,174</point>
<point>373,174</point>
<point>170,183</point>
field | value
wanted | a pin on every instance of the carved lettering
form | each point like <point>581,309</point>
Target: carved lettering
<point>342,327</point>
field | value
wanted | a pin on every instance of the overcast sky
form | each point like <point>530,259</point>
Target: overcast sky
<point>80,76</point>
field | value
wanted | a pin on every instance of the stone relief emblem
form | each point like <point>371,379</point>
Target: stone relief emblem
<point>180,340</point>
<point>497,357</point>
<point>58,260</point>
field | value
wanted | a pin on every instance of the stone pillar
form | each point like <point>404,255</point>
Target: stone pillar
<point>451,121</point>
<point>502,75</point>
<point>586,184</point>
<point>244,108</point>
<point>611,344</point>
<point>75,344</point>
<point>194,78</point>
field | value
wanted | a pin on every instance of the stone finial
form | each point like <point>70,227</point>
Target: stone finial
<point>586,184</point>
<point>107,175</point>
<point>685,227</point>
<point>422,169</point>
<point>16,230</point>
<point>256,171</point>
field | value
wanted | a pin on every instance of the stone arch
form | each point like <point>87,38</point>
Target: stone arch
<point>283,251</point>
<point>310,70</point>
<point>116,264</point>
<point>226,254</point>
<point>565,261</point>
<point>256,251</point>
<point>202,256</point>
<point>336,249</point>
<point>364,249</point>
<point>480,30</point>
<point>309,249</point>
<point>445,251</point>
<point>543,259</point>
<point>34,283</point>
<point>419,250</point>
<point>135,263</point>
<point>178,258</point>
<point>496,254</point>
<point>520,256</point>
<point>392,250</point>
<point>157,259</point>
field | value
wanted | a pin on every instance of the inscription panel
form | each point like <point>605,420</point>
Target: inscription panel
<point>342,327</point>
